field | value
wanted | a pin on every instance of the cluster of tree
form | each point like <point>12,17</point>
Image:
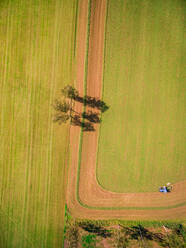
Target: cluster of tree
<point>96,229</point>
<point>88,241</point>
<point>175,238</point>
<point>125,236</point>
<point>72,235</point>
<point>65,109</point>
<point>73,232</point>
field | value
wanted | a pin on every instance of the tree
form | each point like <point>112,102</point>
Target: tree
<point>69,92</point>
<point>65,110</point>
<point>61,106</point>
<point>61,118</point>
<point>177,237</point>
<point>121,240</point>
<point>72,235</point>
<point>88,241</point>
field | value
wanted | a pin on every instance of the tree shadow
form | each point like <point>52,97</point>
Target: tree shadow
<point>86,126</point>
<point>93,102</point>
<point>65,110</point>
<point>92,228</point>
<point>137,232</point>
<point>91,116</point>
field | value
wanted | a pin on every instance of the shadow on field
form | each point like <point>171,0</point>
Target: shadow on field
<point>92,102</point>
<point>86,120</point>
<point>96,229</point>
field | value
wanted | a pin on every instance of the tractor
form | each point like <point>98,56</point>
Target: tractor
<point>166,189</point>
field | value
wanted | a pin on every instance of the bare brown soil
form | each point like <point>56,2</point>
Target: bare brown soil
<point>89,191</point>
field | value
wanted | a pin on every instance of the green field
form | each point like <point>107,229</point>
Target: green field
<point>141,143</point>
<point>36,50</point>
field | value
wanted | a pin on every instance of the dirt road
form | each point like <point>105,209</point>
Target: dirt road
<point>85,198</point>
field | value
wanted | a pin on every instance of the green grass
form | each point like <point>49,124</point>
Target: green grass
<point>145,223</point>
<point>145,89</point>
<point>36,51</point>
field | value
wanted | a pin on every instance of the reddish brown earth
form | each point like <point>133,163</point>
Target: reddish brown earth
<point>89,192</point>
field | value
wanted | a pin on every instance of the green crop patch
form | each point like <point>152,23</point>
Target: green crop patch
<point>36,50</point>
<point>144,87</point>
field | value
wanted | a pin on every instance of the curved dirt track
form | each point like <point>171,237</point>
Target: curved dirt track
<point>87,200</point>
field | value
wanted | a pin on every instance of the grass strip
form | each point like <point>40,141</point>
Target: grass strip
<point>75,27</point>
<point>84,105</point>
<point>130,223</point>
<point>102,92</point>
